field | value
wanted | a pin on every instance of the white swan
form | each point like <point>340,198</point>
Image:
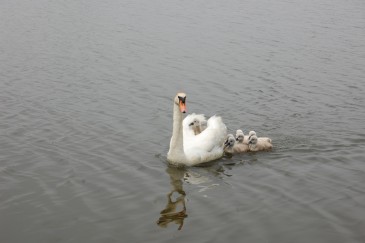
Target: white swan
<point>204,147</point>
<point>258,144</point>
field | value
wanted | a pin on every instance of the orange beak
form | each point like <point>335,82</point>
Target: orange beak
<point>182,107</point>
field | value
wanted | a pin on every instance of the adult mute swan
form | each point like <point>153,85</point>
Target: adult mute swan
<point>204,147</point>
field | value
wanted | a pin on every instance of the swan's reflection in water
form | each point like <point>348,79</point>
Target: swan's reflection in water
<point>175,210</point>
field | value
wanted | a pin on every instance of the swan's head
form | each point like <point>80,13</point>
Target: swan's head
<point>229,141</point>
<point>252,139</point>
<point>179,100</point>
<point>239,136</point>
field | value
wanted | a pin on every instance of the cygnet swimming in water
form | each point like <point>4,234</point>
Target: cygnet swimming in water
<point>241,144</point>
<point>229,144</point>
<point>234,146</point>
<point>259,138</point>
<point>258,144</point>
<point>240,137</point>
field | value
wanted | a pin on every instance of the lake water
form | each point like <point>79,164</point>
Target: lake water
<point>86,95</point>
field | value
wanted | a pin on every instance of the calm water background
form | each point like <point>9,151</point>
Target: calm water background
<point>86,117</point>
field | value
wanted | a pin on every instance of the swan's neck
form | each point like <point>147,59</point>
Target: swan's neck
<point>176,153</point>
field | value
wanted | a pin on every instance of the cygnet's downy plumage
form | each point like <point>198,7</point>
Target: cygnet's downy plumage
<point>234,146</point>
<point>258,143</point>
<point>192,126</point>
<point>241,144</point>
<point>229,144</point>
<point>259,138</point>
<point>240,137</point>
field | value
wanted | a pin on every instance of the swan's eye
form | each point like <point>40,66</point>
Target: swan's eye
<point>182,99</point>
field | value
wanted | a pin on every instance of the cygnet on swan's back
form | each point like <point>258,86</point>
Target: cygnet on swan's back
<point>194,122</point>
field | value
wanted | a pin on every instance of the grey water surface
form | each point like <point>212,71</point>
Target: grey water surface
<point>86,91</point>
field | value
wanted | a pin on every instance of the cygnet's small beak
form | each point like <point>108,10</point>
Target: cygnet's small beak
<point>225,144</point>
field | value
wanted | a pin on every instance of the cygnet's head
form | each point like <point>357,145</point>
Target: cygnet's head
<point>239,136</point>
<point>252,139</point>
<point>229,141</point>
<point>194,123</point>
<point>251,133</point>
<point>203,125</point>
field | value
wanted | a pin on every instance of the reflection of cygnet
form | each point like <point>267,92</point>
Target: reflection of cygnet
<point>258,144</point>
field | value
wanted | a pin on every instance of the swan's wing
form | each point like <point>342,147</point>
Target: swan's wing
<point>196,156</point>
